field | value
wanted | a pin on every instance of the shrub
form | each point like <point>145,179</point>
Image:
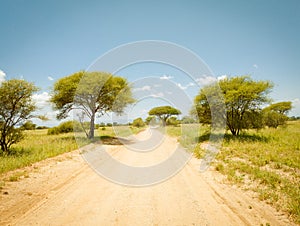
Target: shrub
<point>172,121</point>
<point>138,122</point>
<point>64,127</point>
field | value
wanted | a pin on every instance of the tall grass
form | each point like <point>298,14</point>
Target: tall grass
<point>37,146</point>
<point>268,162</point>
<point>265,161</point>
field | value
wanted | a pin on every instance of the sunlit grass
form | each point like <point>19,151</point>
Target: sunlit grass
<point>37,146</point>
<point>268,162</point>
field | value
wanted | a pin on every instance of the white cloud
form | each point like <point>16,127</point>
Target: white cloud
<point>166,77</point>
<point>41,99</point>
<point>296,101</point>
<point>144,88</point>
<point>255,66</point>
<point>160,94</point>
<point>2,76</point>
<point>206,80</point>
<point>50,78</point>
<point>185,87</point>
<point>181,86</point>
<point>222,77</point>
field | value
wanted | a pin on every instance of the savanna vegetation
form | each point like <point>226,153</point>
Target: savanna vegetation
<point>261,147</point>
<point>164,113</point>
<point>266,161</point>
<point>38,145</point>
<point>16,107</point>
<point>91,94</point>
<point>239,102</point>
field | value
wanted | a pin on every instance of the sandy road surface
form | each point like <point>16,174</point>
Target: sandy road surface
<point>66,191</point>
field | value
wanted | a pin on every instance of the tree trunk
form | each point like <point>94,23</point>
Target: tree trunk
<point>92,127</point>
<point>233,131</point>
<point>4,148</point>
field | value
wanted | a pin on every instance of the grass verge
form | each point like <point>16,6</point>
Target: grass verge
<point>267,162</point>
<point>37,146</point>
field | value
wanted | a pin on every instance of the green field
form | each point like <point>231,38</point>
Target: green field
<point>267,162</point>
<point>37,145</point>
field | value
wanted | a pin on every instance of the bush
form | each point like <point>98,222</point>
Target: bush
<point>274,119</point>
<point>138,122</point>
<point>42,127</point>
<point>172,121</point>
<point>28,125</point>
<point>64,127</point>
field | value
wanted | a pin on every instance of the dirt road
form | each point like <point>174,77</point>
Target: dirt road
<point>66,191</point>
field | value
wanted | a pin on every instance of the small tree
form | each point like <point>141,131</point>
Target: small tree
<point>64,127</point>
<point>148,119</point>
<point>138,122</point>
<point>164,112</point>
<point>276,114</point>
<point>28,125</point>
<point>91,94</point>
<point>243,98</point>
<point>188,120</point>
<point>16,107</point>
<point>172,121</point>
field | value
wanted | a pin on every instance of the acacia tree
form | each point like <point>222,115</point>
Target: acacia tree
<point>164,112</point>
<point>16,107</point>
<point>276,114</point>
<point>242,97</point>
<point>91,94</point>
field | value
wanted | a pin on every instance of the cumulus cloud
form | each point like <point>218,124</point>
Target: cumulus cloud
<point>144,88</point>
<point>222,77</point>
<point>160,94</point>
<point>2,76</point>
<point>296,101</point>
<point>206,80</point>
<point>255,66</point>
<point>50,78</point>
<point>185,87</point>
<point>166,77</point>
<point>41,99</point>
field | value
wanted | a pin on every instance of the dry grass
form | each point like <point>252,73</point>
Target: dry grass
<point>37,146</point>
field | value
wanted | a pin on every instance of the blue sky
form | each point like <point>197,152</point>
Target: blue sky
<point>42,41</point>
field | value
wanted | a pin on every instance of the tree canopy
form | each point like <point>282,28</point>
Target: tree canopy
<point>164,112</point>
<point>16,107</point>
<point>243,98</point>
<point>91,93</point>
<point>138,122</point>
<point>276,114</point>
